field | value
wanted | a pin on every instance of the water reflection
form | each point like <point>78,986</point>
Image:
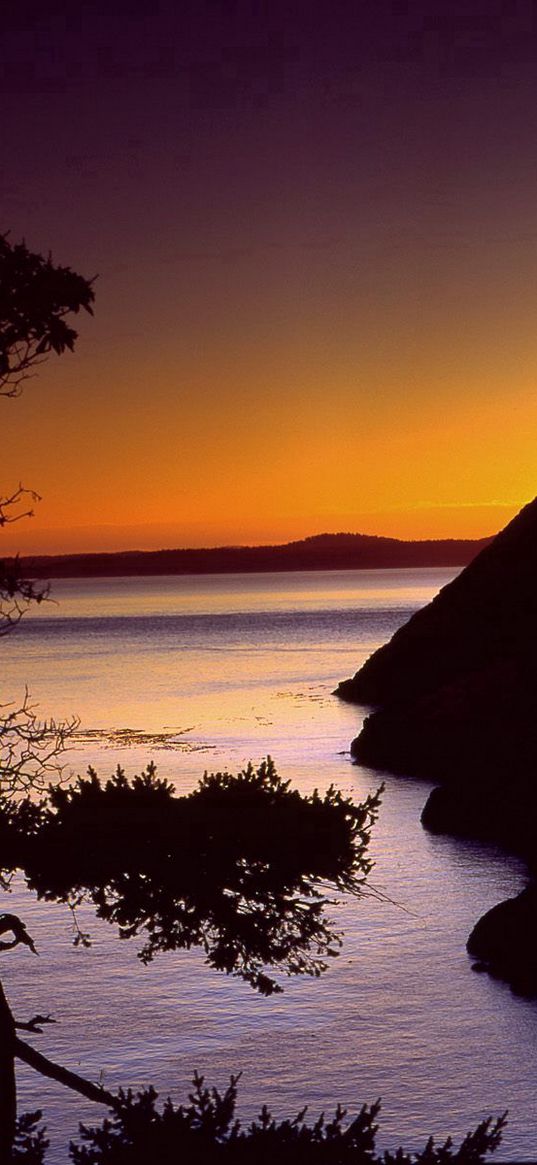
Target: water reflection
<point>400,1008</point>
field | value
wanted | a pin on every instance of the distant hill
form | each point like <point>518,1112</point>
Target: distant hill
<point>320,552</point>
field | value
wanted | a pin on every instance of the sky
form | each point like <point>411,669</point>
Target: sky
<point>314,231</point>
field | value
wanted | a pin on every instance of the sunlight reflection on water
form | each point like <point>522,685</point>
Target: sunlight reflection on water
<point>208,673</point>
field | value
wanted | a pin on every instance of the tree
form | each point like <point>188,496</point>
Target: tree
<point>37,300</point>
<point>16,591</point>
<point>238,867</point>
<point>37,297</point>
<point>244,866</point>
<point>205,1132</point>
<point>241,867</point>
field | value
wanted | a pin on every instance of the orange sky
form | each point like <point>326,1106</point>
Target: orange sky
<point>316,247</point>
<point>124,470</point>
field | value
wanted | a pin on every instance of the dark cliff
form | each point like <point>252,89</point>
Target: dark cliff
<point>485,616</point>
<point>455,699</point>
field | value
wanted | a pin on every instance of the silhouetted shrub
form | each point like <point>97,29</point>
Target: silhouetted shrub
<point>30,1141</point>
<point>242,866</point>
<point>206,1132</point>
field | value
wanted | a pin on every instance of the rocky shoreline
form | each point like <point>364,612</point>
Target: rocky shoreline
<point>454,700</point>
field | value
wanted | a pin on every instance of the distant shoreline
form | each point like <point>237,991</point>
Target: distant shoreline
<point>321,552</point>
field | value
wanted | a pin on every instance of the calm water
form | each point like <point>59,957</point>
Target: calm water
<point>205,673</point>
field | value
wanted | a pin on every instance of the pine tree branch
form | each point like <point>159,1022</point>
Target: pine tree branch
<point>72,1080</point>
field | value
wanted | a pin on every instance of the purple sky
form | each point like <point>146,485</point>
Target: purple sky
<point>267,190</point>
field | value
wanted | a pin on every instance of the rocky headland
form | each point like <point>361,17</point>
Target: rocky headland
<point>454,695</point>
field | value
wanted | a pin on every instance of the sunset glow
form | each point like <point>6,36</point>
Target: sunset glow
<point>316,301</point>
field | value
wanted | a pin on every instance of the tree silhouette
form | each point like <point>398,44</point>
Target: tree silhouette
<point>239,867</point>
<point>205,1132</point>
<point>37,300</point>
<point>243,867</point>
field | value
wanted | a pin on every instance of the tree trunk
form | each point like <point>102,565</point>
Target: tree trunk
<point>8,1095</point>
<point>10,1047</point>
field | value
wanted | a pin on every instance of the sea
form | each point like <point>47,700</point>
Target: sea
<point>203,674</point>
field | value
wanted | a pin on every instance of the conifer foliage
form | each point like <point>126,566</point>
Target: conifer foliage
<point>206,1132</point>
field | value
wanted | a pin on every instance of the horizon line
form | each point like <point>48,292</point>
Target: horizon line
<point>236,546</point>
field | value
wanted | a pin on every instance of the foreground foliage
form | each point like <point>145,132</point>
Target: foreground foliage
<point>36,299</point>
<point>30,1144</point>
<point>206,1132</point>
<point>243,866</point>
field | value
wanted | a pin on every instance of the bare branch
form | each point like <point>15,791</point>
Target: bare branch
<point>70,1079</point>
<point>17,927</point>
<point>34,1025</point>
<point>17,593</point>
<point>81,938</point>
<point>13,500</point>
<point>30,748</point>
